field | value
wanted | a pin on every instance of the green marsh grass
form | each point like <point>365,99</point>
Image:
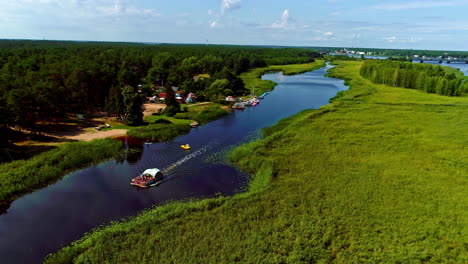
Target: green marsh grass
<point>159,132</point>
<point>20,177</point>
<point>378,176</point>
<point>203,113</point>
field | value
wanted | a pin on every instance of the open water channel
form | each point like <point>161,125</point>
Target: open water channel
<point>48,219</point>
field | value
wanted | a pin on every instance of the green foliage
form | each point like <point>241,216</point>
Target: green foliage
<point>209,114</point>
<point>114,102</point>
<point>425,77</point>
<point>43,80</point>
<point>218,90</point>
<point>205,115</point>
<point>132,101</point>
<point>172,105</point>
<point>159,132</point>
<point>22,176</point>
<point>171,110</point>
<point>378,176</point>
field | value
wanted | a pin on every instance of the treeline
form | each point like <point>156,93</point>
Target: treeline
<point>425,77</point>
<point>43,80</point>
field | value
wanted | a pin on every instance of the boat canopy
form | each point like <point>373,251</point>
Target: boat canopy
<point>152,172</point>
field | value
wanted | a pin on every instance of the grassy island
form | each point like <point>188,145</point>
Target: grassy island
<point>252,79</point>
<point>379,175</point>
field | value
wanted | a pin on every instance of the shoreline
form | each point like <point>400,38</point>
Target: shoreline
<point>349,201</point>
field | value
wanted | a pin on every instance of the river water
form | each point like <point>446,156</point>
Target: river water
<point>48,219</point>
<point>463,67</point>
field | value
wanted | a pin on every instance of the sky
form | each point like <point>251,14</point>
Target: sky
<point>410,24</point>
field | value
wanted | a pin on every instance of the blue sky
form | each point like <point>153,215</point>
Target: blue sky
<point>416,24</point>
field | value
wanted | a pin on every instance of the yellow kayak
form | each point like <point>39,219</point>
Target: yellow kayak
<point>186,146</point>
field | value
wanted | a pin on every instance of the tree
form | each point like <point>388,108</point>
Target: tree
<point>218,90</point>
<point>23,108</point>
<point>172,106</point>
<point>190,65</point>
<point>5,115</point>
<point>127,76</point>
<point>162,64</point>
<point>132,101</point>
<point>114,102</point>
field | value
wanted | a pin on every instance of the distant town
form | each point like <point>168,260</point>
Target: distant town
<point>414,57</point>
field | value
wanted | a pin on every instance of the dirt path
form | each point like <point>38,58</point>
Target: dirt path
<point>88,136</point>
<point>150,108</point>
<point>84,133</point>
<point>204,103</point>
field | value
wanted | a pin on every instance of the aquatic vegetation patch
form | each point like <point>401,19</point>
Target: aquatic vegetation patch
<point>159,132</point>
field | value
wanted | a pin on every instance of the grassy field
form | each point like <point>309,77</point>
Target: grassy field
<point>380,175</point>
<point>252,77</point>
<point>20,177</point>
<point>203,113</point>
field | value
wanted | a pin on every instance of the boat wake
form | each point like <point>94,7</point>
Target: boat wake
<point>185,159</point>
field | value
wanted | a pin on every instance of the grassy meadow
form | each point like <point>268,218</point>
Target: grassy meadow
<point>252,77</point>
<point>22,176</point>
<point>379,175</point>
<point>203,113</point>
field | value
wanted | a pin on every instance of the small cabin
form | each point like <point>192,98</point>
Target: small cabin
<point>230,99</point>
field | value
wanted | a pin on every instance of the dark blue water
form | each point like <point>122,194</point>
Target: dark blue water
<point>48,219</point>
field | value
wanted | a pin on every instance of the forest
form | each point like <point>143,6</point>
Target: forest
<point>425,77</point>
<point>44,80</point>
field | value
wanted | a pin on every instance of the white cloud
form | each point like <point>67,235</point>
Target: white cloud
<point>395,39</point>
<point>284,21</point>
<point>418,5</point>
<point>229,5</point>
<point>391,39</point>
<point>324,36</point>
<point>328,35</point>
<point>119,9</point>
<point>225,7</point>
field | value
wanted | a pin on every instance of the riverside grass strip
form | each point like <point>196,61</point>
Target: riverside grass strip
<point>380,175</point>
<point>23,176</point>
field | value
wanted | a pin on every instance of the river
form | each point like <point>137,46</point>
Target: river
<point>48,219</point>
<point>463,67</point>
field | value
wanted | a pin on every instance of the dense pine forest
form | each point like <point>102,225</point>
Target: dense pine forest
<point>425,77</point>
<point>43,80</point>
